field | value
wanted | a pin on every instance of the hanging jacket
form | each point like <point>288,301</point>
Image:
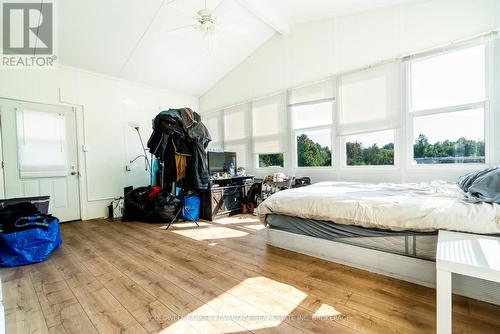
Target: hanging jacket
<point>187,118</point>
<point>180,132</point>
<point>200,136</point>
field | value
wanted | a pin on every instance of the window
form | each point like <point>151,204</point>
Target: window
<point>41,141</point>
<point>236,133</point>
<point>311,109</point>
<point>461,143</point>
<point>314,148</point>
<point>375,148</point>
<point>447,108</point>
<point>271,160</point>
<point>449,79</point>
<point>370,99</point>
<point>370,109</point>
<point>311,115</point>
<point>268,130</point>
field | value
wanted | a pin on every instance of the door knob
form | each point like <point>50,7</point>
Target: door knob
<point>73,173</point>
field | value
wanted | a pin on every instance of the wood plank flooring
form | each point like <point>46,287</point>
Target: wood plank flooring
<point>222,277</point>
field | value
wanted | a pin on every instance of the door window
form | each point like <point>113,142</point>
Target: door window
<point>41,141</point>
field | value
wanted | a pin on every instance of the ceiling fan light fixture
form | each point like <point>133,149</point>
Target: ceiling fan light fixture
<point>206,20</point>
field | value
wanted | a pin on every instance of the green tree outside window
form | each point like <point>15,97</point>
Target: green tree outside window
<point>312,154</point>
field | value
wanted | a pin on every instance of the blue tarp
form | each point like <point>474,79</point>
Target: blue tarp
<point>29,246</point>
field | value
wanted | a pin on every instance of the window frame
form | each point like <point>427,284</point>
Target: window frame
<point>294,131</point>
<point>485,104</point>
<point>257,162</point>
<point>254,159</point>
<point>393,167</point>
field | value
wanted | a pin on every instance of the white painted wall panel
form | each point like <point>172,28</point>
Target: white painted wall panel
<point>108,105</point>
<point>318,49</point>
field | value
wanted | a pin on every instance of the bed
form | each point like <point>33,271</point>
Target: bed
<point>387,228</point>
<point>420,245</point>
<point>419,207</point>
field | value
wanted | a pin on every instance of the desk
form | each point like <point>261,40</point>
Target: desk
<point>224,197</point>
<point>467,254</point>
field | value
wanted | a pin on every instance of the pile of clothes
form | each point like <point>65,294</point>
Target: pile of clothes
<point>482,185</point>
<point>179,140</point>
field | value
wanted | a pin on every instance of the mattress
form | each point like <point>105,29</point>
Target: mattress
<point>414,244</point>
<point>420,207</point>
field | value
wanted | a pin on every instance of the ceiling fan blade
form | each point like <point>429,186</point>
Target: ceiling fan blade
<point>183,29</point>
<point>218,6</point>
<point>174,5</point>
<point>211,42</point>
<point>232,28</point>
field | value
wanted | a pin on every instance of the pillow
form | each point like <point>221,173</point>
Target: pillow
<point>482,186</point>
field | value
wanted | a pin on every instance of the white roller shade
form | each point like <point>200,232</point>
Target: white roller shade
<point>370,99</point>
<point>41,141</point>
<point>269,124</point>
<point>241,149</point>
<point>318,91</point>
<point>214,124</point>
<point>235,123</point>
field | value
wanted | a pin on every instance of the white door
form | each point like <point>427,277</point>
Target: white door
<point>39,155</point>
<point>2,187</point>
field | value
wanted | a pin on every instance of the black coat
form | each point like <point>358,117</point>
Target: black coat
<point>181,129</point>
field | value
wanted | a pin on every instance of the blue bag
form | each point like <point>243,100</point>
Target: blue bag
<point>29,246</point>
<point>191,210</point>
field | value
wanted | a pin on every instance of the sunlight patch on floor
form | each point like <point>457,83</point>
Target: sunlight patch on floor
<point>283,290</point>
<point>204,233</point>
<point>184,225</point>
<point>256,227</point>
<point>247,219</point>
<point>326,310</point>
<point>221,313</point>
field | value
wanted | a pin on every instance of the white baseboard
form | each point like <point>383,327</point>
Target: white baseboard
<point>418,271</point>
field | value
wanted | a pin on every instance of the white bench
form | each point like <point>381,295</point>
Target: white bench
<point>466,254</point>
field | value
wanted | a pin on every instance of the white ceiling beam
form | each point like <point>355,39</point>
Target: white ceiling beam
<point>267,14</point>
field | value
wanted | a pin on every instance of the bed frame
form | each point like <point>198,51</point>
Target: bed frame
<point>410,269</point>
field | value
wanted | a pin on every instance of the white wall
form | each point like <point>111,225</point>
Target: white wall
<point>324,48</point>
<point>319,49</point>
<point>105,106</point>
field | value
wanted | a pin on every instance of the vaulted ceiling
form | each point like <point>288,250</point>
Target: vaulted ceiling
<point>132,39</point>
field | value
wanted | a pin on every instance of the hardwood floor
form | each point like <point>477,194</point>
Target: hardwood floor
<point>113,277</point>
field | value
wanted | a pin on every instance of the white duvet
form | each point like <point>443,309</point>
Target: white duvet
<point>391,206</point>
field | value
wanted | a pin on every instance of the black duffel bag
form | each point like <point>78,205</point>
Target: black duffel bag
<point>164,209</point>
<point>136,204</point>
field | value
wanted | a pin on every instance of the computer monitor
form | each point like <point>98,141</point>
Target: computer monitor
<point>222,162</point>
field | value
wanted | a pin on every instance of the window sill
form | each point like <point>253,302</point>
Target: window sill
<point>331,168</point>
<point>370,167</point>
<point>458,166</point>
<point>265,169</point>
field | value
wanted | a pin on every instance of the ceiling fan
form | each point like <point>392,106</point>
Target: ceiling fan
<point>205,21</point>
